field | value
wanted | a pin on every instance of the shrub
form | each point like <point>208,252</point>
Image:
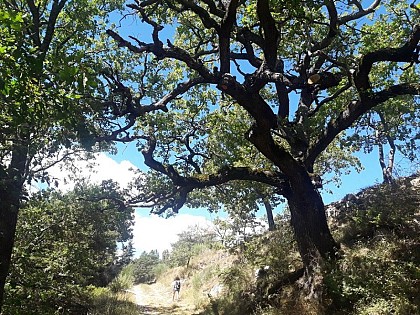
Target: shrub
<point>123,281</point>
<point>374,278</point>
<point>104,302</point>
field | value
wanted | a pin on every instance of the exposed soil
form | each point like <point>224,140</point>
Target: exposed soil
<point>156,299</point>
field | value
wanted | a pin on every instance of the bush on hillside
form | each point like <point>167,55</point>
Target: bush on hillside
<point>379,271</point>
<point>370,274</point>
<point>236,299</point>
<point>387,207</point>
<point>124,280</point>
<point>276,249</point>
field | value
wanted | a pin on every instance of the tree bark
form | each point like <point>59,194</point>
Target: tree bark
<point>11,187</point>
<point>309,222</point>
<point>269,212</point>
<point>386,169</point>
<point>8,218</point>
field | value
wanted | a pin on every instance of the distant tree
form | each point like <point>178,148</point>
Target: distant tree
<point>235,230</point>
<point>393,127</point>
<point>143,266</point>
<point>64,243</point>
<point>165,255</point>
<point>391,134</point>
<point>190,243</point>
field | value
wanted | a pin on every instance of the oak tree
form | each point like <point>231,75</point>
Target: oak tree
<point>292,76</point>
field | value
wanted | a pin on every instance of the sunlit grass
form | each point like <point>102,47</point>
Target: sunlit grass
<point>106,302</point>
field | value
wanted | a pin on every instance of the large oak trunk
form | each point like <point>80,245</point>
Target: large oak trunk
<point>309,222</point>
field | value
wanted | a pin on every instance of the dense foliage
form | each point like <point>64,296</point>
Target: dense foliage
<point>143,267</point>
<point>49,91</point>
<point>64,244</point>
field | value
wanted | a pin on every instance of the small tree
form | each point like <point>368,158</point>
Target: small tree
<point>190,242</point>
<point>144,265</point>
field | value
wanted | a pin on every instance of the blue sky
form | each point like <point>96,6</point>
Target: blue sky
<point>162,230</point>
<point>152,232</point>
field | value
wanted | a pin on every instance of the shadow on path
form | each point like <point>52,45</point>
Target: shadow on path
<point>163,310</point>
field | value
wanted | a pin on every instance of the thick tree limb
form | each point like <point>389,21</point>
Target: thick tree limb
<point>124,43</point>
<point>183,185</point>
<point>35,34</point>
<point>360,13</point>
<point>224,35</point>
<point>166,52</point>
<point>396,90</point>
<point>406,53</point>
<point>224,175</point>
<point>56,8</point>
<point>180,89</point>
<point>213,8</point>
<point>202,14</point>
<point>368,99</point>
<point>355,110</point>
<point>271,33</point>
<point>333,27</point>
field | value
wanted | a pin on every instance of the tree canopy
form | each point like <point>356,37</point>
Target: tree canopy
<point>262,91</point>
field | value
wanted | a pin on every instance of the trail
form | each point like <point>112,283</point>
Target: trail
<point>156,299</point>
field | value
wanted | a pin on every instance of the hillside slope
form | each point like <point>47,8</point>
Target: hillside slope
<point>378,271</point>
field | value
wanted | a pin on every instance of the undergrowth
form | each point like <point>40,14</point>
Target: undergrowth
<point>378,272</point>
<point>106,302</point>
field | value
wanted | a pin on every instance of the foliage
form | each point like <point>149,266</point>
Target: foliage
<point>235,300</point>
<point>375,278</point>
<point>44,80</point>
<point>382,128</point>
<point>144,267</point>
<point>124,280</point>
<point>190,242</point>
<point>238,229</point>
<point>64,243</point>
<point>276,249</point>
<point>375,208</point>
<point>49,93</point>
<point>378,272</point>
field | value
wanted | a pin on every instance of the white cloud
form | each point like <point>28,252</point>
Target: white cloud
<point>104,168</point>
<point>153,232</point>
<point>150,231</point>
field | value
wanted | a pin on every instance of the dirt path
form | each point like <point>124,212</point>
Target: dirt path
<point>156,299</point>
